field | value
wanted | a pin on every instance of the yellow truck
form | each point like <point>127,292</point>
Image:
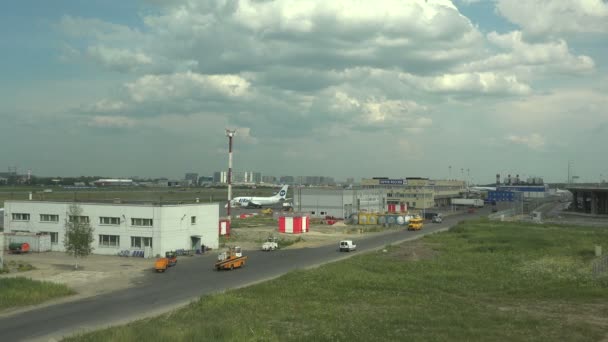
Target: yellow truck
<point>415,223</point>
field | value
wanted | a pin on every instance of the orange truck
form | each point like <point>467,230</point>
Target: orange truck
<point>162,264</point>
<point>231,259</point>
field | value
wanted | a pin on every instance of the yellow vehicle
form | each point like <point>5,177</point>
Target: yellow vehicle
<point>415,223</point>
<point>231,259</point>
<point>267,211</point>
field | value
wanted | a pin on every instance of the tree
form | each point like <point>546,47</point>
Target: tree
<point>78,234</point>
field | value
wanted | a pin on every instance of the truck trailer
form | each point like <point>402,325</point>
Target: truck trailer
<point>472,202</point>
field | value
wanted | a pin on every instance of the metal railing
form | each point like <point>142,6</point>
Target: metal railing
<point>600,266</point>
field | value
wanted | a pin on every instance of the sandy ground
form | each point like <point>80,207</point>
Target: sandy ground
<point>98,274</point>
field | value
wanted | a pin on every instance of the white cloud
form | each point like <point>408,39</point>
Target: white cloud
<point>541,17</point>
<point>111,122</point>
<point>119,59</point>
<point>534,141</point>
<point>476,82</point>
<point>187,85</point>
<point>382,112</point>
<point>105,105</point>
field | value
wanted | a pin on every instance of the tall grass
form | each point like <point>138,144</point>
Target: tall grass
<point>482,281</point>
<point>20,291</point>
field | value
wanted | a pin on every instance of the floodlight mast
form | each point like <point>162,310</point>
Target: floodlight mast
<point>230,134</point>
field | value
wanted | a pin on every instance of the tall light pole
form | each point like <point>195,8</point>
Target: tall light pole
<point>230,134</point>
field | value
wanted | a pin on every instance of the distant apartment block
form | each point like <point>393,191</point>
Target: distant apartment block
<point>238,177</point>
<point>191,178</point>
<point>269,179</point>
<point>287,180</point>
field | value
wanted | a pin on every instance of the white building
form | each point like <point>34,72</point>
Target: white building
<point>121,226</point>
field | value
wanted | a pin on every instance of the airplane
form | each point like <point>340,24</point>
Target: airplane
<point>258,202</point>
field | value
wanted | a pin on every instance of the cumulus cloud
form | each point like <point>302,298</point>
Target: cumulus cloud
<point>320,72</point>
<point>119,59</point>
<point>187,85</point>
<point>540,17</point>
<point>378,112</point>
<point>470,83</point>
<point>534,141</point>
<point>553,55</point>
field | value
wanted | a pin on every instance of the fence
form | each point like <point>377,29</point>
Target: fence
<point>600,266</point>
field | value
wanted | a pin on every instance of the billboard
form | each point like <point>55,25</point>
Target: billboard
<point>392,181</point>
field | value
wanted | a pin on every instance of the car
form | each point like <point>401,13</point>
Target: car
<point>437,218</point>
<point>347,246</point>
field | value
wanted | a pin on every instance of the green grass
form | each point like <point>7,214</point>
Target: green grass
<point>205,195</point>
<point>482,281</point>
<point>17,292</point>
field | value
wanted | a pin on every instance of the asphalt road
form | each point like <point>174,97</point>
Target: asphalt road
<point>191,278</point>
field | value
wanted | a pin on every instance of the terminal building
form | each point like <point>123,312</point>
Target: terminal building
<point>151,228</point>
<point>378,195</point>
<point>417,192</point>
<point>589,199</point>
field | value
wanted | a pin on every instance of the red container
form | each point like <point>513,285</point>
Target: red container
<point>224,227</point>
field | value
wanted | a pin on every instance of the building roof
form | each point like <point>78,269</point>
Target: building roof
<point>121,203</point>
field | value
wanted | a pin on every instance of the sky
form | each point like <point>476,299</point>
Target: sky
<point>394,88</point>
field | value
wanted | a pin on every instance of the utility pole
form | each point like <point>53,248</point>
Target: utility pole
<point>230,134</point>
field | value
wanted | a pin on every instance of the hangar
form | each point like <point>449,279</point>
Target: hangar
<point>149,227</point>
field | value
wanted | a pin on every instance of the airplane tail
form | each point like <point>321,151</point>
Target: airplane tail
<point>283,192</point>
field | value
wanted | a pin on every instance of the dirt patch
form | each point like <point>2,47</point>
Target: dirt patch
<point>413,251</point>
<point>97,274</point>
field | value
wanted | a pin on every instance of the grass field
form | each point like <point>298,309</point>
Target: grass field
<point>16,292</point>
<point>482,281</point>
<point>129,194</point>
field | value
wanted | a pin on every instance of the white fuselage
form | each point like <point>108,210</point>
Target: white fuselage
<point>246,201</point>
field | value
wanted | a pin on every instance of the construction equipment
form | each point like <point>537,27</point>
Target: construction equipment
<point>231,259</point>
<point>266,211</point>
<point>415,223</point>
<point>162,264</point>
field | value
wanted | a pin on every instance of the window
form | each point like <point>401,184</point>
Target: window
<point>109,220</point>
<point>141,222</point>
<point>140,242</point>
<point>193,219</point>
<point>54,237</point>
<point>109,240</point>
<point>79,219</point>
<point>21,217</point>
<point>49,218</point>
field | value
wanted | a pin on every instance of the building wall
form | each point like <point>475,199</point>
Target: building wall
<point>168,230</point>
<point>337,202</point>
